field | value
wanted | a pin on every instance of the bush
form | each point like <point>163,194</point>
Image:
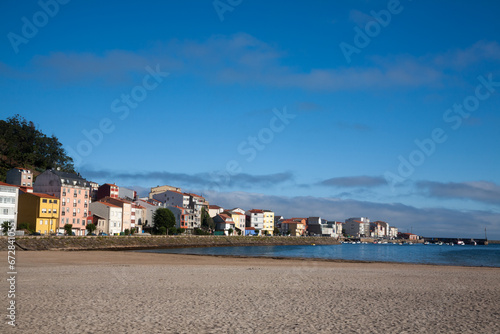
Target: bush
<point>198,231</point>
<point>162,230</point>
<point>127,231</point>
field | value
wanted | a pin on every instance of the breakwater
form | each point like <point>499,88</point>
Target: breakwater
<point>33,243</point>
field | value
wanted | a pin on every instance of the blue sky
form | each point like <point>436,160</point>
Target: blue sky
<point>382,109</point>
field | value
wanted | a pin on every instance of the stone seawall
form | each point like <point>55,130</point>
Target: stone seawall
<point>33,243</point>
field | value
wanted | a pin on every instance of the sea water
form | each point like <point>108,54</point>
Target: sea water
<point>457,255</point>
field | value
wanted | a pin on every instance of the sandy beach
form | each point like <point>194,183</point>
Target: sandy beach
<point>129,292</point>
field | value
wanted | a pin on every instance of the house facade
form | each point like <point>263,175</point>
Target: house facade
<point>73,193</point>
<point>126,212</point>
<point>107,190</point>
<point>294,227</point>
<point>40,211</point>
<point>191,203</point>
<point>214,210</point>
<point>20,177</point>
<point>357,227</point>
<point>108,217</point>
<point>255,219</point>
<point>268,223</point>
<point>224,222</point>
<point>9,203</point>
<point>239,220</point>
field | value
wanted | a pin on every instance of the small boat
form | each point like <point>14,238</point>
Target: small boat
<point>460,242</point>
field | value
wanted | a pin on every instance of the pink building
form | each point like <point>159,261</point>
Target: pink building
<point>73,192</point>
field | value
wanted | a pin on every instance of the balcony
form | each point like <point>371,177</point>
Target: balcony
<point>75,195</point>
<point>64,193</point>
<point>85,205</point>
<point>63,213</point>
<point>74,214</point>
<point>63,203</point>
<point>74,204</point>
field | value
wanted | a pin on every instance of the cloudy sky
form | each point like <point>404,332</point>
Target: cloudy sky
<point>382,109</point>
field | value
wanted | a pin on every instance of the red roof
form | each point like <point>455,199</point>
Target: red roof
<point>109,204</point>
<point>8,185</point>
<point>255,211</point>
<point>43,195</point>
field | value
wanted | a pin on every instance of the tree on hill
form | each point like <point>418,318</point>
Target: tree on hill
<point>23,145</point>
<point>163,220</point>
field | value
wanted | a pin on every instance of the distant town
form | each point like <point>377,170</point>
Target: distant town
<point>60,203</point>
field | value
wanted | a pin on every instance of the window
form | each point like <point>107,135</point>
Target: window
<point>55,210</point>
<point>5,211</point>
<point>44,201</point>
<point>44,210</point>
<point>55,201</point>
<point>46,222</point>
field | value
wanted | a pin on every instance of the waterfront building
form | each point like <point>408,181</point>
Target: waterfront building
<point>255,219</point>
<point>107,217</point>
<point>191,203</point>
<point>224,222</point>
<point>40,212</point>
<point>268,223</point>
<point>126,206</point>
<point>9,203</point>
<point>239,220</point>
<point>357,227</point>
<point>294,227</point>
<point>73,193</point>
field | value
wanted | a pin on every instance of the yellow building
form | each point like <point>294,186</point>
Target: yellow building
<point>40,211</point>
<point>268,227</point>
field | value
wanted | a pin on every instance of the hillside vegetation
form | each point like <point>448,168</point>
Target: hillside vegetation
<point>23,145</point>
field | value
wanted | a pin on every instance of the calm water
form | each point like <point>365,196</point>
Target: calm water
<point>488,256</point>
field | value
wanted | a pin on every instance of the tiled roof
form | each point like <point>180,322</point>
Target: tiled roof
<point>8,185</point>
<point>43,195</point>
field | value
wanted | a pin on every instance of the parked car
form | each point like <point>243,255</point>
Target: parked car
<point>103,234</point>
<point>36,233</point>
<point>92,234</point>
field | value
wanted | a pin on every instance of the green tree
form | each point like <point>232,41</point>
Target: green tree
<point>91,228</point>
<point>230,231</point>
<point>68,228</point>
<point>163,218</point>
<point>207,223</point>
<point>127,231</point>
<point>5,227</point>
<point>23,145</point>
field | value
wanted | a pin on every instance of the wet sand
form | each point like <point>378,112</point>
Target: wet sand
<point>129,292</point>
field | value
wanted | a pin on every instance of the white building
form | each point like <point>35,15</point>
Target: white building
<point>111,214</point>
<point>357,227</point>
<point>9,203</point>
<point>191,203</point>
<point>255,219</point>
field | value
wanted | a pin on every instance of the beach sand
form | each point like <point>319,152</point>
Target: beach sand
<point>130,292</point>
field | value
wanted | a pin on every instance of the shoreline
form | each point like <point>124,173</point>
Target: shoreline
<point>128,291</point>
<point>219,293</point>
